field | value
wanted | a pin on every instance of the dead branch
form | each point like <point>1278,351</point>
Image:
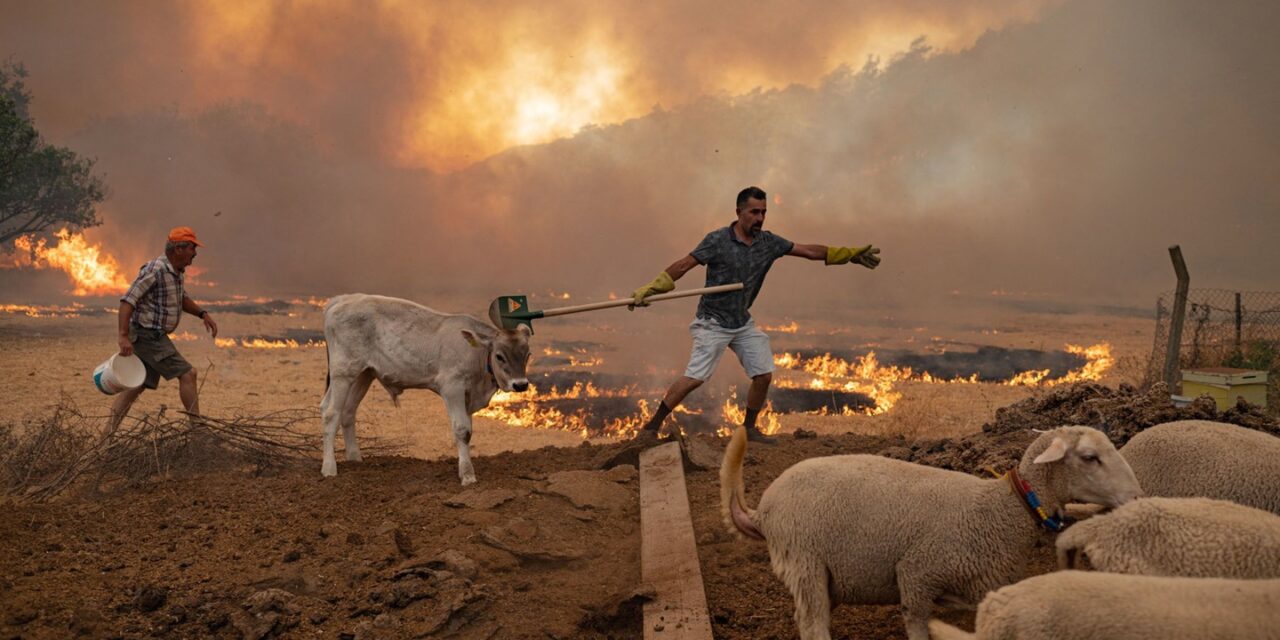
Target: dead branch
<point>66,449</point>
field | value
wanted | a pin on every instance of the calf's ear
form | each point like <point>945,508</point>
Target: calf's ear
<point>524,330</point>
<point>474,339</point>
<point>1057,449</point>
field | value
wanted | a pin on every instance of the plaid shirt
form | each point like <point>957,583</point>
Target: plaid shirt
<point>731,260</point>
<point>156,296</point>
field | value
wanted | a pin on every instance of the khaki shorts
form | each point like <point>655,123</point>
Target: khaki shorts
<point>750,344</point>
<point>156,351</point>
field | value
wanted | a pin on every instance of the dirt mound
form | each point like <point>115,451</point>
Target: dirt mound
<point>1121,413</point>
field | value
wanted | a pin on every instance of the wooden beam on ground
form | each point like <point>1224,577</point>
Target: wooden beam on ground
<point>668,551</point>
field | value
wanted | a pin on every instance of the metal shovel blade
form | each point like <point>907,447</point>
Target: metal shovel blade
<point>509,312</point>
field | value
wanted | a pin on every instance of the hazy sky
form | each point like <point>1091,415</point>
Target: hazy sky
<point>1052,148</point>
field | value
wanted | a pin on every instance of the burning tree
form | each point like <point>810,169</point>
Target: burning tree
<point>40,185</point>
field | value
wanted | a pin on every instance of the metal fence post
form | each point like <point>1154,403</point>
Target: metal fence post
<point>1171,361</point>
<point>1239,322</point>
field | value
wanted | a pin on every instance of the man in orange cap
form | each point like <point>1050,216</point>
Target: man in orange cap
<point>149,312</point>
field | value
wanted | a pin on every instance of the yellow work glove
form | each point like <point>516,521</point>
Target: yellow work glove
<point>661,284</point>
<point>867,256</point>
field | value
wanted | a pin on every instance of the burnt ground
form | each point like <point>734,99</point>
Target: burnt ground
<point>546,545</point>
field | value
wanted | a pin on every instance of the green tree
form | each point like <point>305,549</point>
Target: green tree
<point>40,185</point>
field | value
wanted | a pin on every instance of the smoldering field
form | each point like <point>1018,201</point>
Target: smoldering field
<point>270,357</point>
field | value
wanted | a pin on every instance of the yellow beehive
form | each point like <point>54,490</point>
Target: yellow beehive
<point>1224,384</point>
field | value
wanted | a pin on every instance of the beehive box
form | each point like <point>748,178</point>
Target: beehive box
<point>1224,384</point>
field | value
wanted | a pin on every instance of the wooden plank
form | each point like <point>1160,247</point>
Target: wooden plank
<point>668,551</point>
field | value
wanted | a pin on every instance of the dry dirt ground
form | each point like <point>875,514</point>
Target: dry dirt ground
<point>546,545</point>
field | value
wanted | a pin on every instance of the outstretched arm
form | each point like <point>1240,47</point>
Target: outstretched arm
<point>867,256</point>
<point>810,251</point>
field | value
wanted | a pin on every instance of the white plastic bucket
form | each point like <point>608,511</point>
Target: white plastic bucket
<point>119,373</point>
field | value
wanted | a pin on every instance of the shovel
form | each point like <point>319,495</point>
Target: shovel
<point>509,312</point>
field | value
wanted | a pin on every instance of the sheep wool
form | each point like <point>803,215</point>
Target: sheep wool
<point>1188,537</point>
<point>1081,605</point>
<point>1199,458</point>
<point>862,529</point>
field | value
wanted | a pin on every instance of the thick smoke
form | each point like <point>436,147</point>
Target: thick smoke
<point>1059,156</point>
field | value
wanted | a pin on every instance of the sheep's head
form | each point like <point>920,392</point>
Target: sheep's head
<point>1081,465</point>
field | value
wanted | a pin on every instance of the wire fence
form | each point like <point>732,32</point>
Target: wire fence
<point>1223,329</point>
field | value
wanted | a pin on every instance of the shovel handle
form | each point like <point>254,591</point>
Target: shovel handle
<point>547,313</point>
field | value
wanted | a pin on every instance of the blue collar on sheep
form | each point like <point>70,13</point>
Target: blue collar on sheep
<point>1032,503</point>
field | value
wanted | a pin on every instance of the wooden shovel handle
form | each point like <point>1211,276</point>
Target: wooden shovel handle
<point>546,313</point>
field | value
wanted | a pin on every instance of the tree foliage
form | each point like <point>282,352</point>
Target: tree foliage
<point>41,185</point>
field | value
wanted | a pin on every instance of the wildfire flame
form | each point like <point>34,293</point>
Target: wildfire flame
<point>522,410</point>
<point>867,376</point>
<point>791,327</point>
<point>263,343</point>
<point>311,301</point>
<point>734,414</point>
<point>94,273</point>
<point>74,310</point>
<point>574,361</point>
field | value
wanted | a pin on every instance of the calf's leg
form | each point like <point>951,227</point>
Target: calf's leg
<point>354,396</point>
<point>455,401</point>
<point>331,409</point>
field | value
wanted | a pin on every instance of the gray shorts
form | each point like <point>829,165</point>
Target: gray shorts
<point>156,351</point>
<point>750,344</point>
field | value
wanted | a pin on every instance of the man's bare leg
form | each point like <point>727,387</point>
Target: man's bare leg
<point>756,396</point>
<point>674,396</point>
<point>679,390</point>
<point>120,406</point>
<point>188,392</point>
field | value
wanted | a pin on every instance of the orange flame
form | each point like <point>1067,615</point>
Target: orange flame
<point>791,327</point>
<point>865,375</point>
<point>262,343</point>
<point>73,310</point>
<point>574,361</point>
<point>530,415</point>
<point>93,272</point>
<point>311,301</point>
<point>734,415</point>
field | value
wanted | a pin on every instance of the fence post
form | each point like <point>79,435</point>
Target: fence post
<point>1239,322</point>
<point>1171,359</point>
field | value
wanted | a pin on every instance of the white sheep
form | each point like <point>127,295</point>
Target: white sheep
<point>1082,605</point>
<point>1199,458</point>
<point>1187,537</point>
<point>863,529</point>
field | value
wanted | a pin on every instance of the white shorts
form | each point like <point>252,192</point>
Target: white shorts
<point>709,340</point>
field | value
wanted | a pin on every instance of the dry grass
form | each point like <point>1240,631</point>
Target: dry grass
<point>71,449</point>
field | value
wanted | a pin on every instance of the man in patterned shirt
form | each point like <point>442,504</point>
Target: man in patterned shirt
<point>149,312</point>
<point>741,252</point>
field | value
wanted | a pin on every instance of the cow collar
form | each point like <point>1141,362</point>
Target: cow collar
<point>1029,500</point>
<point>488,366</point>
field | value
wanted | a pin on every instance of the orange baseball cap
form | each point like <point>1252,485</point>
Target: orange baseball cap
<point>184,234</point>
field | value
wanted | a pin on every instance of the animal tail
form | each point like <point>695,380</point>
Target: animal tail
<point>939,630</point>
<point>738,517</point>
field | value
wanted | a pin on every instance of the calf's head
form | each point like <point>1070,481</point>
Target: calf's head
<point>507,355</point>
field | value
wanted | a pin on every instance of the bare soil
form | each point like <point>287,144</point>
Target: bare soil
<point>545,545</point>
